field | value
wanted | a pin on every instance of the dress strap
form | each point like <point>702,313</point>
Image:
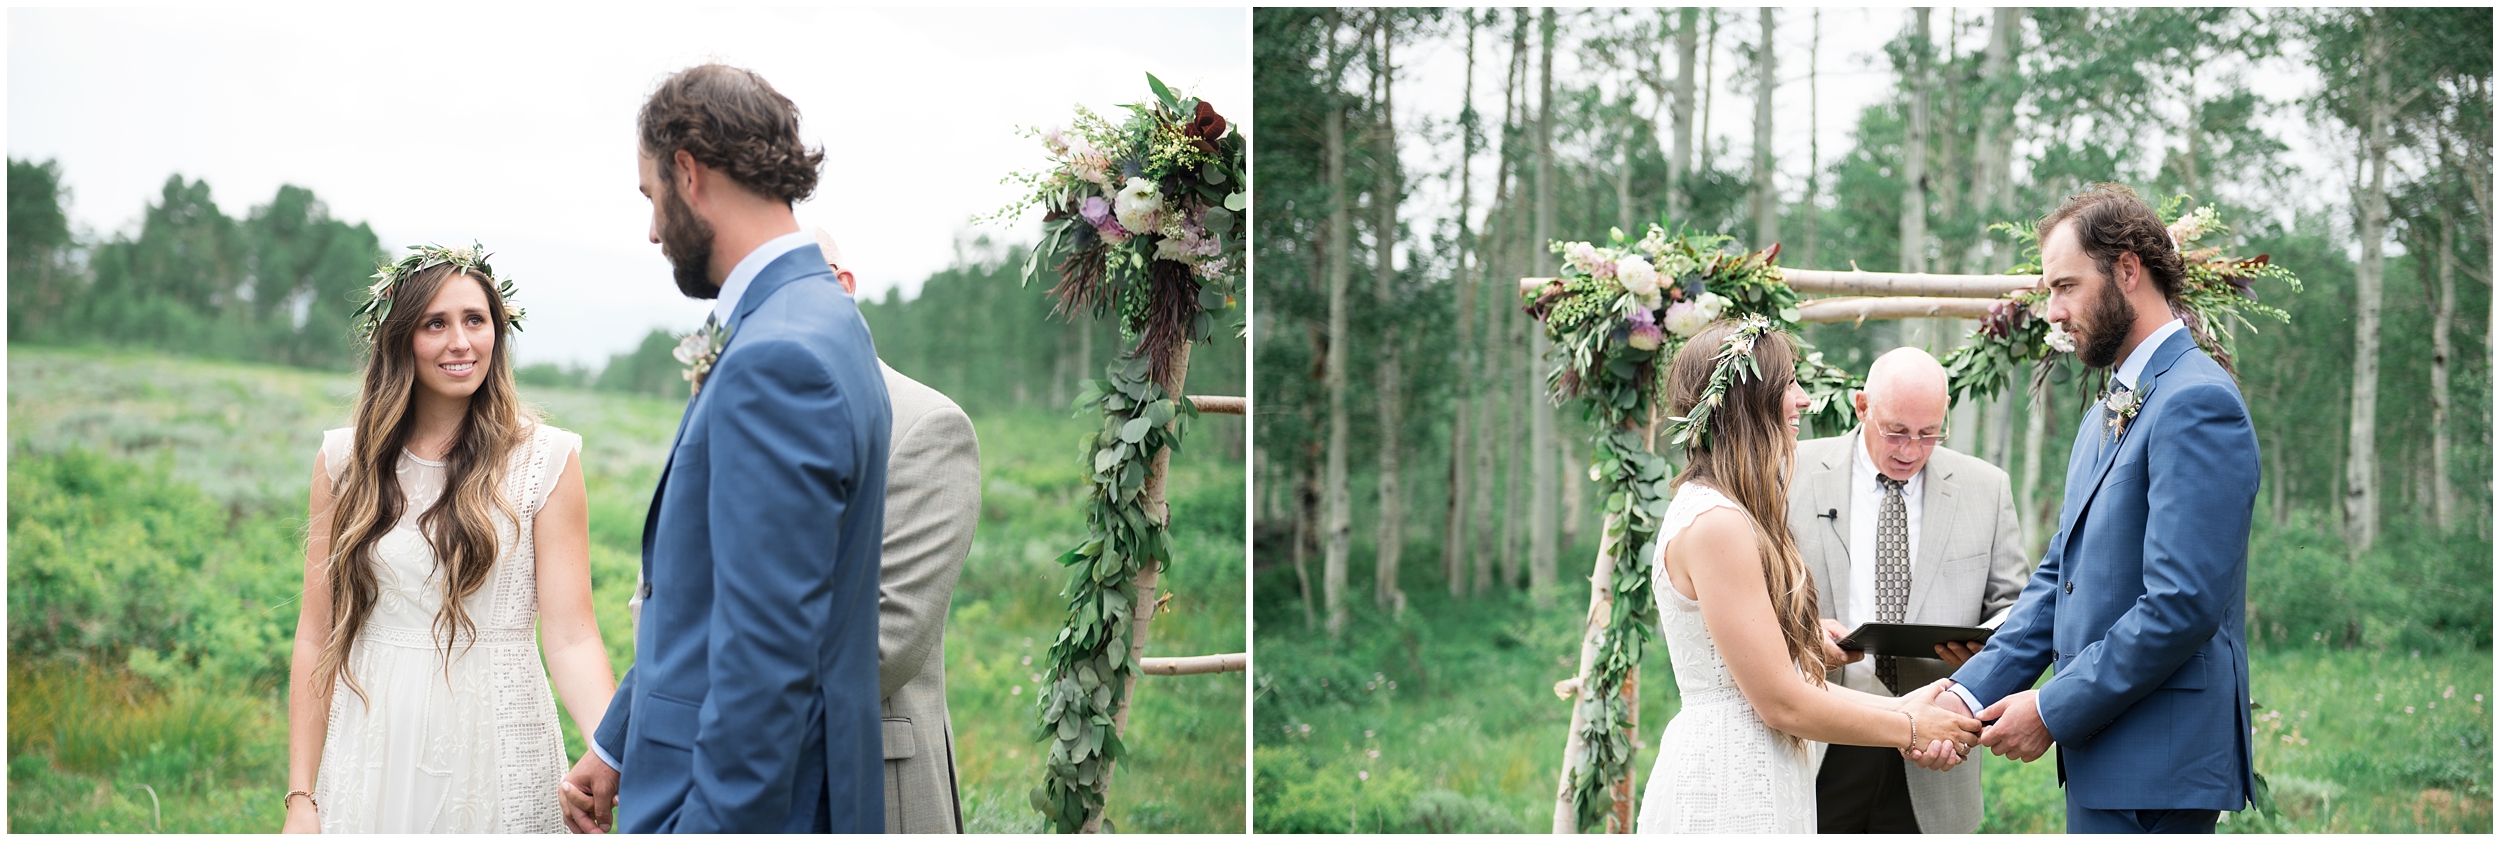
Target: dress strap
<point>336,445</point>
<point>548,449</point>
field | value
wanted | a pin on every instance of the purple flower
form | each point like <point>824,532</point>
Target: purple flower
<point>1647,336</point>
<point>1642,315</point>
<point>1095,210</point>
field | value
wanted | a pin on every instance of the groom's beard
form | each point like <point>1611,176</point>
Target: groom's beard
<point>2108,327</point>
<point>687,241</point>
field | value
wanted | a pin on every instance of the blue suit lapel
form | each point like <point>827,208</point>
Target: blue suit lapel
<point>2097,426</point>
<point>780,272</point>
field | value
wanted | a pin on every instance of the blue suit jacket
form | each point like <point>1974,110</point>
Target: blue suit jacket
<point>753,704</point>
<point>2140,601</point>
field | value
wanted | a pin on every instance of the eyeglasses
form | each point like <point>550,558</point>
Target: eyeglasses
<point>1900,440</point>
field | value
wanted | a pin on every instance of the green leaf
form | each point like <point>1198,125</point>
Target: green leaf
<point>1237,202</point>
<point>1162,93</point>
<point>1133,431</point>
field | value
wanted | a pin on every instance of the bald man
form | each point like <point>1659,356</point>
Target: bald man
<point>1897,528</point>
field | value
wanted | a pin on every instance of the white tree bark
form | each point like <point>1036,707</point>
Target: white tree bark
<point>2361,494</point>
<point>1389,539</point>
<point>1680,163</point>
<point>1340,503</point>
<point>1541,520</point>
<point>1766,209</point>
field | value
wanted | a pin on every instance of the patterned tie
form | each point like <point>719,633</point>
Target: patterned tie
<point>1892,570</point>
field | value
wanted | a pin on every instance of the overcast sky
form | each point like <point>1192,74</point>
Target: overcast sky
<point>515,127</point>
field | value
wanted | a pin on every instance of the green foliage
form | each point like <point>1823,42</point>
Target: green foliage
<point>651,368</point>
<point>118,564</point>
<point>275,286</point>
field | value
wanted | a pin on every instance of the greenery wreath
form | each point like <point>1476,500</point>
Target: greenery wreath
<point>369,315</point>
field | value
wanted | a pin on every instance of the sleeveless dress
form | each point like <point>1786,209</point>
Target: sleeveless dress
<point>469,747</point>
<point>1720,769</point>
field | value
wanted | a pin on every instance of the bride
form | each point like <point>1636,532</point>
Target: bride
<point>445,525</point>
<point>1738,611</point>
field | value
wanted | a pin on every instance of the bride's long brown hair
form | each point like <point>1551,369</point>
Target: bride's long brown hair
<point>461,527</point>
<point>1748,457</point>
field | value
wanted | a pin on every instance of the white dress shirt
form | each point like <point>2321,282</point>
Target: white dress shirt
<point>743,274</point>
<point>2129,370</point>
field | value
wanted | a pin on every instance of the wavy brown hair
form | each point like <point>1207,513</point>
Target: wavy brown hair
<point>731,120</point>
<point>2110,219</point>
<point>1748,457</point>
<point>368,502</point>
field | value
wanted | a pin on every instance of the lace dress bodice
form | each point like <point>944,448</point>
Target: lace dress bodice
<point>472,744</point>
<point>1719,769</point>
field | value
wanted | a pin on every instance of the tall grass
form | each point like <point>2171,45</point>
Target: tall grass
<point>155,555</point>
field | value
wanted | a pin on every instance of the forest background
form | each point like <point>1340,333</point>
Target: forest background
<point>1401,433</point>
<point>167,387</point>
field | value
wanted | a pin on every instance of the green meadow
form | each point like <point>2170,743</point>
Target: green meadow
<point>156,508</point>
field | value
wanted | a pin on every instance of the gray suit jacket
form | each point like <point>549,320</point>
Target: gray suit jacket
<point>932,502</point>
<point>1967,569</point>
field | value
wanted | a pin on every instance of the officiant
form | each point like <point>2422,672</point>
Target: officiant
<point>1897,528</point>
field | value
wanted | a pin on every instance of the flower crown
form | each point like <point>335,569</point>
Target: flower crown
<point>471,260</point>
<point>1738,350</point>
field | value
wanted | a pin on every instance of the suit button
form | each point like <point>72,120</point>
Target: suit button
<point>2070,588</point>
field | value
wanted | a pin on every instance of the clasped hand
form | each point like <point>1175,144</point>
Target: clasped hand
<point>589,794</point>
<point>2015,731</point>
<point>1945,736</point>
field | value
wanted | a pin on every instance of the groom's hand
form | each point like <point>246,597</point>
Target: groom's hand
<point>589,794</point>
<point>2018,733</point>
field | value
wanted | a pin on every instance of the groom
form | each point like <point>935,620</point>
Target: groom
<point>753,704</point>
<point>2139,601</point>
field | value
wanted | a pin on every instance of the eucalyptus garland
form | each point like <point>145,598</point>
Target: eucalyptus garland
<point>1143,220</point>
<point>1617,315</point>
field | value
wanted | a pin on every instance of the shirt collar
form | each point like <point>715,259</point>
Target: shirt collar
<point>2133,367</point>
<point>735,285</point>
<point>1863,465</point>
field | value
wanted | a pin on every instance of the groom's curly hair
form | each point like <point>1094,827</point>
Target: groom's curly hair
<point>2110,219</point>
<point>731,120</point>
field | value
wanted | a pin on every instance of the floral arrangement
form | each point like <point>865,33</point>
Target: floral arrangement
<point>2219,292</point>
<point>369,315</point>
<point>1143,216</point>
<point>1143,219</point>
<point>1617,314</point>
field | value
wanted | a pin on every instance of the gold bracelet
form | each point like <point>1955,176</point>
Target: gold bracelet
<point>308,798</point>
<point>1913,730</point>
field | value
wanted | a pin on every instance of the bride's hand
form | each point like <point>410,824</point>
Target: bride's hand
<point>1946,735</point>
<point>301,817</point>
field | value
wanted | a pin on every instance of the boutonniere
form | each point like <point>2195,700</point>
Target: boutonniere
<point>697,351</point>
<point>2123,404</point>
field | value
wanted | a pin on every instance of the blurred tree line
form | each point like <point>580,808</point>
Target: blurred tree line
<point>278,284</point>
<point>1399,383</point>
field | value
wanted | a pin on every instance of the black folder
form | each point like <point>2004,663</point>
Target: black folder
<point>1897,640</point>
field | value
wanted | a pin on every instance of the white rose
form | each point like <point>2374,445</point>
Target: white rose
<point>1685,319</point>
<point>1582,256</point>
<point>1636,275</point>
<point>1138,205</point>
<point>1711,306</point>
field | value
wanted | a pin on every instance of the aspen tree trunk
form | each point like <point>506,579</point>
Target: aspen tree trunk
<point>1340,530</point>
<point>1917,332</point>
<point>2361,501</point>
<point>2443,494</point>
<point>1709,85</point>
<point>1388,380</point>
<point>1568,474</point>
<point>1453,527</point>
<point>1306,525</point>
<point>1541,520</point>
<point>1500,325</point>
<point>1680,162</point>
<point>1766,208</point>
<point>1814,152</point>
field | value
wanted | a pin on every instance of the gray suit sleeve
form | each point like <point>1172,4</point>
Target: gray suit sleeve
<point>2008,567</point>
<point>932,502</point>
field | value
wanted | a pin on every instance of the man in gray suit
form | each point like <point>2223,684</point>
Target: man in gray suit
<point>932,502</point>
<point>1896,528</point>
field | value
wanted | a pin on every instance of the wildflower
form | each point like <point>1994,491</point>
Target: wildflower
<point>2408,710</point>
<point>1363,775</point>
<point>1582,256</point>
<point>2451,693</point>
<point>1306,729</point>
<point>1373,753</point>
<point>1037,677</point>
<point>1028,660</point>
<point>1648,336</point>
<point>1015,690</point>
<point>1367,734</point>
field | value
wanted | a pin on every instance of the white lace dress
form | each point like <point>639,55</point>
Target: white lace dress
<point>1720,769</point>
<point>471,748</point>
